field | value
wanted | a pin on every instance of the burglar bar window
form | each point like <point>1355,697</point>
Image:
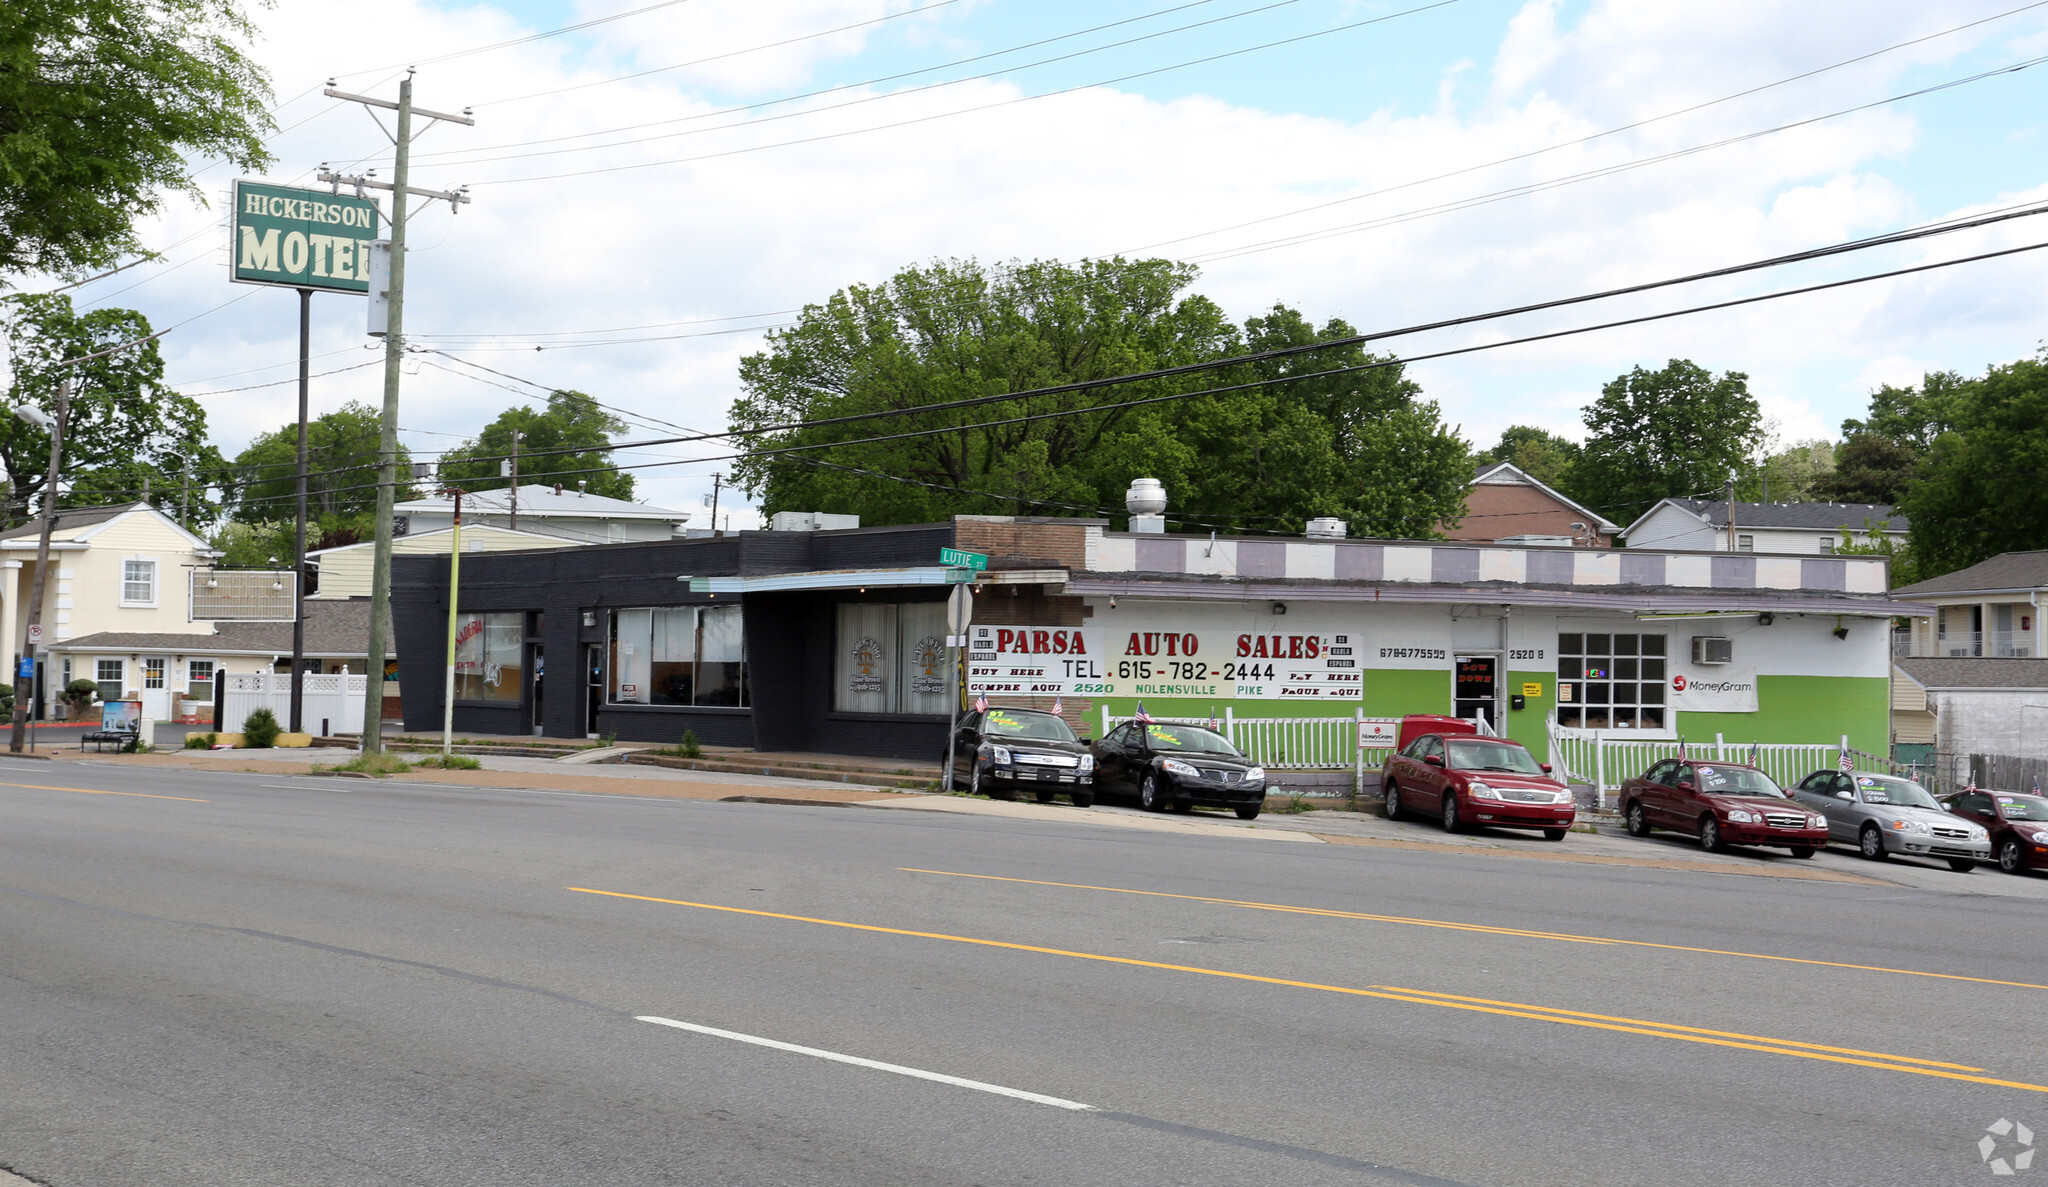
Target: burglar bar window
<point>1616,681</point>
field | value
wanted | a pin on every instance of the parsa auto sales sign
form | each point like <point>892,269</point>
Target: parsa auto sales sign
<point>1094,661</point>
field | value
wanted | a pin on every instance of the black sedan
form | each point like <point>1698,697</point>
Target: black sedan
<point>1000,752</point>
<point>1179,766</point>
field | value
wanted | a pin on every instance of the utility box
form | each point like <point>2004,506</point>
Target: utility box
<point>1712,649</point>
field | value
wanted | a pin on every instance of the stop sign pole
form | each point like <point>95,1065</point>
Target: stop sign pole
<point>959,616</point>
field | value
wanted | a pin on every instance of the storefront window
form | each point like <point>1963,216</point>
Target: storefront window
<point>679,655</point>
<point>490,656</point>
<point>891,658</point>
<point>1609,681</point>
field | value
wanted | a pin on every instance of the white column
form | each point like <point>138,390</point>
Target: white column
<point>10,624</point>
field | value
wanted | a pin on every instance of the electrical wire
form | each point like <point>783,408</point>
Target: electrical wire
<point>509,43</point>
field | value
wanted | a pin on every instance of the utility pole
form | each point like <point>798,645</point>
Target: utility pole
<point>716,480</point>
<point>298,712</point>
<point>454,588</point>
<point>394,353</point>
<point>1730,501</point>
<point>515,479</point>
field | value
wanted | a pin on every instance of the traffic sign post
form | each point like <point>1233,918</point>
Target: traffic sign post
<point>959,616</point>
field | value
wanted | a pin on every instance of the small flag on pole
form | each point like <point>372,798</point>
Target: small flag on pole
<point>1057,708</point>
<point>1142,715</point>
<point>1213,724</point>
<point>1682,755</point>
<point>1973,784</point>
<point>1846,764</point>
<point>1755,755</point>
<point>981,703</point>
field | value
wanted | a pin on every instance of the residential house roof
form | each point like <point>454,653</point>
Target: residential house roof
<point>85,522</point>
<point>2008,572</point>
<point>1808,516</point>
<point>1508,473</point>
<point>338,629</point>
<point>1974,672</point>
<point>67,519</point>
<point>545,501</point>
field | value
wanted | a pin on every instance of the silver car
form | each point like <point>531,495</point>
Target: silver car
<point>1883,814</point>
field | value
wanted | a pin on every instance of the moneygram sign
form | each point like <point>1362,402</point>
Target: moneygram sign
<point>303,239</point>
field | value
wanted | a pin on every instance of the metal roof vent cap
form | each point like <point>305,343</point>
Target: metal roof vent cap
<point>1328,527</point>
<point>1146,501</point>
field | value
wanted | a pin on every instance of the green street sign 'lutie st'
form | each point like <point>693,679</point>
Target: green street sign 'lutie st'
<point>963,560</point>
<point>303,239</point>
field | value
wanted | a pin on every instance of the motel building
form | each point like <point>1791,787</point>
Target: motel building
<point>836,641</point>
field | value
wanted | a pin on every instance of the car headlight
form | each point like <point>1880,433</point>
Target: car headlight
<point>1174,766</point>
<point>1255,775</point>
<point>1978,834</point>
<point>1816,822</point>
<point>1565,796</point>
<point>1917,827</point>
<point>1086,764</point>
<point>1001,754</point>
<point>1742,816</point>
<point>1481,790</point>
<point>2041,837</point>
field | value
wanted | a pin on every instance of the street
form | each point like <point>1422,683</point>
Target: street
<point>214,978</point>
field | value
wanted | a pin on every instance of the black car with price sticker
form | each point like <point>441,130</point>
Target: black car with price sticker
<point>1000,752</point>
<point>1182,767</point>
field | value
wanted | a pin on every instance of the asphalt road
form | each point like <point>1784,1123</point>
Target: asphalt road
<point>231,979</point>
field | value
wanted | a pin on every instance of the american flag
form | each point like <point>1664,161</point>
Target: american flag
<point>1056,707</point>
<point>981,703</point>
<point>1213,725</point>
<point>1142,715</point>
<point>1846,764</point>
<point>1973,785</point>
<point>1755,755</point>
<point>1682,755</point>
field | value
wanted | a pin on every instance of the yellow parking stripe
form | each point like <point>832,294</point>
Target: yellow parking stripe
<point>1759,1043</point>
<point>1566,937</point>
<point>141,795</point>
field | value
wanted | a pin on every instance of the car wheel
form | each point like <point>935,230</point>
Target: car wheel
<point>1638,823</point>
<point>1961,865</point>
<point>1555,834</point>
<point>1148,794</point>
<point>1393,794</point>
<point>1450,815</point>
<point>1802,851</point>
<point>1251,813</point>
<point>1710,834</point>
<point>1084,799</point>
<point>1870,843</point>
<point>974,786</point>
<point>2009,858</point>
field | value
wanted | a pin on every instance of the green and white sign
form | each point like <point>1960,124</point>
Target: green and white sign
<point>304,239</point>
<point>963,559</point>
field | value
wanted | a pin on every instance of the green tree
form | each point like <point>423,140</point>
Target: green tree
<point>1869,468</point>
<point>1970,498</point>
<point>1666,434</point>
<point>1358,445</point>
<point>571,422</point>
<point>107,105</point>
<point>341,484</point>
<point>123,421</point>
<point>1539,453</point>
<point>1791,475</point>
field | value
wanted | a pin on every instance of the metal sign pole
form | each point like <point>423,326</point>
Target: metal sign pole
<point>959,616</point>
<point>298,712</point>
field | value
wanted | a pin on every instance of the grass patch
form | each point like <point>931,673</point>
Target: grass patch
<point>372,764</point>
<point>1295,805</point>
<point>450,762</point>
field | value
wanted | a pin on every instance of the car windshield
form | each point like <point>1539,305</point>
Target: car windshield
<point>1736,781</point>
<point>1469,755</point>
<point>1014,724</point>
<point>1191,738</point>
<point>2023,807</point>
<point>1900,793</point>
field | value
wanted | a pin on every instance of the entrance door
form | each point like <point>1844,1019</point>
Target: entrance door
<point>537,664</point>
<point>156,688</point>
<point>593,677</point>
<point>1476,693</point>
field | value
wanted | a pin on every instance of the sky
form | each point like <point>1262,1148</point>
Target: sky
<point>652,193</point>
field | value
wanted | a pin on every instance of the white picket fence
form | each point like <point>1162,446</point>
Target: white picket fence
<point>333,703</point>
<point>1598,758</point>
<point>1289,743</point>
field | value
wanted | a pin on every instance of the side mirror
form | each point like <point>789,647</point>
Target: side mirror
<point>1844,795</point>
<point>1686,786</point>
<point>1433,760</point>
<point>1545,766</point>
<point>1087,741</point>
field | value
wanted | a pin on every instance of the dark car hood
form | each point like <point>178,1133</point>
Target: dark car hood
<point>1036,745</point>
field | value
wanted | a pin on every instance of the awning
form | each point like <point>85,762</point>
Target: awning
<point>834,579</point>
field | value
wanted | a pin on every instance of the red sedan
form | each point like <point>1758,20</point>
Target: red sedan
<point>1722,804</point>
<point>1464,780</point>
<point>2018,825</point>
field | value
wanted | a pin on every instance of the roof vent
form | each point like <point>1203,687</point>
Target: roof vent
<point>1146,501</point>
<point>1329,527</point>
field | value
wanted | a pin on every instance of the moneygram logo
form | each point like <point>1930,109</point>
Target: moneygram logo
<point>2007,1147</point>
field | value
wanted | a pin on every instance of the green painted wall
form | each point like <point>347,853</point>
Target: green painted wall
<point>1817,709</point>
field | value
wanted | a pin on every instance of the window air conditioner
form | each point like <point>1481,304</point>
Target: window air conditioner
<point>1712,649</point>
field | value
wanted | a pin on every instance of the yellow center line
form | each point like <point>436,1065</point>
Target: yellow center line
<point>1769,1046</point>
<point>1480,927</point>
<point>141,795</point>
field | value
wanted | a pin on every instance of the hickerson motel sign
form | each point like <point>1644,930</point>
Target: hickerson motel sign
<point>298,238</point>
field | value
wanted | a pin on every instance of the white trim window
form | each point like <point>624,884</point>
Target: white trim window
<point>138,583</point>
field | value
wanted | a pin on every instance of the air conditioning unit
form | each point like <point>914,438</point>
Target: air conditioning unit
<point>1712,649</point>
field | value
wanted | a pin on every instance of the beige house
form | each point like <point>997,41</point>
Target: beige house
<point>1990,610</point>
<point>345,571</point>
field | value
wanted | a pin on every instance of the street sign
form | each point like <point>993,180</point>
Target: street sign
<point>28,668</point>
<point>35,634</point>
<point>960,610</point>
<point>965,560</point>
<point>301,238</point>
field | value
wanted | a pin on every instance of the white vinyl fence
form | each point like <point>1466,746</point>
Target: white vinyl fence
<point>1290,743</point>
<point>1598,758</point>
<point>333,703</point>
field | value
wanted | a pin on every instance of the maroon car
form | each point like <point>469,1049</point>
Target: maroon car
<point>1722,804</point>
<point>1465,781</point>
<point>2018,825</point>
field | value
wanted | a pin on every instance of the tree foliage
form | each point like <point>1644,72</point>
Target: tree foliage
<point>1869,468</point>
<point>124,424</point>
<point>1359,445</point>
<point>107,105</point>
<point>341,487</point>
<point>1668,433</point>
<point>1791,475</point>
<point>1972,496</point>
<point>1539,453</point>
<point>568,442</point>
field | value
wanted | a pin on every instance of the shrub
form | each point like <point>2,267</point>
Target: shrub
<point>689,747</point>
<point>198,741</point>
<point>375,764</point>
<point>260,731</point>
<point>79,696</point>
<point>451,762</point>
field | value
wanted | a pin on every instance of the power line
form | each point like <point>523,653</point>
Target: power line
<point>525,40</point>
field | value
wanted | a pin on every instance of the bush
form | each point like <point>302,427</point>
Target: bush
<point>689,747</point>
<point>79,696</point>
<point>372,764</point>
<point>198,741</point>
<point>451,762</point>
<point>260,731</point>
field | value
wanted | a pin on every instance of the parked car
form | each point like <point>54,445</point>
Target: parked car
<point>1180,767</point>
<point>2018,825</point>
<point>1464,780</point>
<point>1003,751</point>
<point>1884,814</point>
<point>1722,804</point>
